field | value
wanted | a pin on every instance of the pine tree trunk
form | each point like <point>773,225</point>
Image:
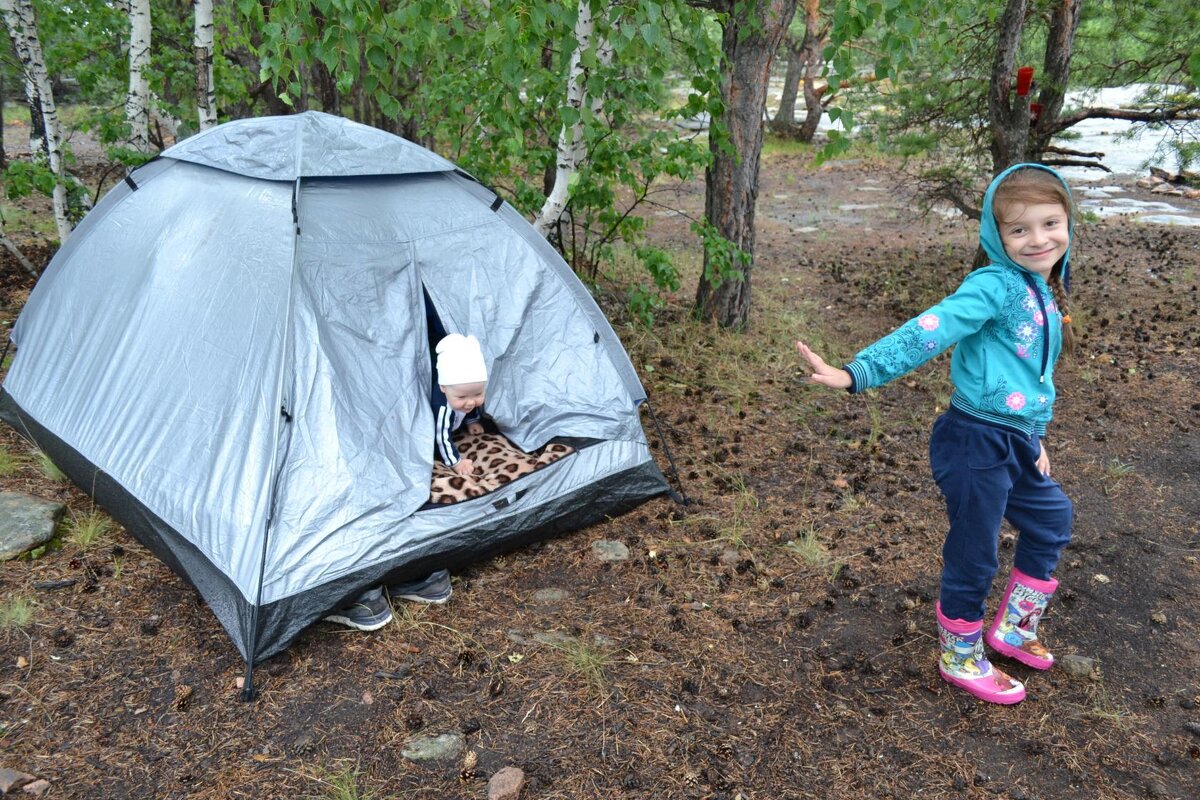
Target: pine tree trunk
<point>1056,70</point>
<point>137,101</point>
<point>749,42</point>
<point>785,118</point>
<point>206,95</point>
<point>21,22</point>
<point>1008,114</point>
<point>811,57</point>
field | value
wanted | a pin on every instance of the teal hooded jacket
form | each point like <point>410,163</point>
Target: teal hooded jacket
<point>1005,328</point>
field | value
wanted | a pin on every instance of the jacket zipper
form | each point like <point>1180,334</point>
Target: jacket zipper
<point>1045,323</point>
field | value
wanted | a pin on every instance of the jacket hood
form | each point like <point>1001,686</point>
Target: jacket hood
<point>989,231</point>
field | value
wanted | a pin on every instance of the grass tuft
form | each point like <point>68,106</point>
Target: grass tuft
<point>48,468</point>
<point>9,464</point>
<point>16,611</point>
<point>340,785</point>
<point>84,530</point>
<point>587,661</point>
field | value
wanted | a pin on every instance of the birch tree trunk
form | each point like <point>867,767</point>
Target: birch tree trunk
<point>21,22</point>
<point>37,128</point>
<point>749,41</point>
<point>206,96</point>
<point>137,102</point>
<point>570,138</point>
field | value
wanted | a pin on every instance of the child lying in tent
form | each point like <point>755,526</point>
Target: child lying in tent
<point>478,462</point>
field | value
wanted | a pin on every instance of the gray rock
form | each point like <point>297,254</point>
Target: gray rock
<point>554,638</point>
<point>25,523</point>
<point>506,784</point>
<point>37,788</point>
<point>608,550</point>
<point>550,595</point>
<point>11,779</point>
<point>1077,666</point>
<point>441,747</point>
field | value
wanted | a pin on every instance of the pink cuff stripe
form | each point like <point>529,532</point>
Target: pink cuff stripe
<point>958,627</point>
<point>1045,587</point>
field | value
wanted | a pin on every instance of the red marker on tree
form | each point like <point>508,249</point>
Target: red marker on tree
<point>1024,80</point>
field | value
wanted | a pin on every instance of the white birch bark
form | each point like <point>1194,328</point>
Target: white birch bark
<point>37,131</point>
<point>206,96</point>
<point>21,22</point>
<point>137,102</point>
<point>570,138</point>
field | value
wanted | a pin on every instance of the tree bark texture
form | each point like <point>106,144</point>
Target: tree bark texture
<point>814,43</point>
<point>21,22</point>
<point>1056,69</point>
<point>785,117</point>
<point>206,95</point>
<point>16,29</point>
<point>751,36</point>
<point>570,138</point>
<point>1008,114</point>
<point>137,101</point>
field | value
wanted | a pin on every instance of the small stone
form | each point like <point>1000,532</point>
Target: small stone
<point>506,784</point>
<point>608,550</point>
<point>1192,727</point>
<point>730,557</point>
<point>1100,578</point>
<point>442,747</point>
<point>37,788</point>
<point>14,779</point>
<point>1077,666</point>
<point>1158,618</point>
<point>550,595</point>
<point>22,662</point>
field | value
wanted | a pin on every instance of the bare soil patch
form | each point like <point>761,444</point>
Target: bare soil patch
<point>772,641</point>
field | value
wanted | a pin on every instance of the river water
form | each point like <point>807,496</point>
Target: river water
<point>1127,152</point>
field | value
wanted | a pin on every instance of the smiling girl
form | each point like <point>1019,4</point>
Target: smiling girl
<point>1007,322</point>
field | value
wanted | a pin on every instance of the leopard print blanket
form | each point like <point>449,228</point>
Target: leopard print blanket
<point>497,462</point>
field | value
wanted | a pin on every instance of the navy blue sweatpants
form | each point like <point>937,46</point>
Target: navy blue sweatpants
<point>988,473</point>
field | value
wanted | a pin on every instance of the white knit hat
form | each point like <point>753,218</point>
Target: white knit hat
<point>460,360</point>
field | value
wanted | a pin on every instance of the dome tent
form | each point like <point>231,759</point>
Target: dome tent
<point>230,354</point>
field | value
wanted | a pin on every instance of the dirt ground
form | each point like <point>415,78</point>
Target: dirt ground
<point>773,640</point>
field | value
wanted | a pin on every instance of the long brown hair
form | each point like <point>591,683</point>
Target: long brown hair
<point>1033,186</point>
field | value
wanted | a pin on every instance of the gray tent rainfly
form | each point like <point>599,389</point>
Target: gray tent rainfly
<point>230,353</point>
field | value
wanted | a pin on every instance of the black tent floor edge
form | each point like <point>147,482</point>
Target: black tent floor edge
<point>282,621</point>
<point>183,557</point>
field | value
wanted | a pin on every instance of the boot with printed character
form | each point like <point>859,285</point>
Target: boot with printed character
<point>1014,631</point>
<point>964,664</point>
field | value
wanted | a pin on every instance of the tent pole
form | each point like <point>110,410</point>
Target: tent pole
<point>252,648</point>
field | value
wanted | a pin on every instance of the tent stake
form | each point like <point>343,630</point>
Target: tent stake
<point>248,694</point>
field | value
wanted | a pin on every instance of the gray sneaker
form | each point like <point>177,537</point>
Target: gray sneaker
<point>370,611</point>
<point>434,588</point>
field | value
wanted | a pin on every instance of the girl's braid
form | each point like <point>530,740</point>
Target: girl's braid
<point>1060,299</point>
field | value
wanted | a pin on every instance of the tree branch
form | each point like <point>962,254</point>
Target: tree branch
<point>1187,113</point>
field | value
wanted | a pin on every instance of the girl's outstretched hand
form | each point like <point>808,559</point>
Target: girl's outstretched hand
<point>822,372</point>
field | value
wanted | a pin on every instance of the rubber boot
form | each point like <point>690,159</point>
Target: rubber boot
<point>1014,631</point>
<point>964,664</point>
